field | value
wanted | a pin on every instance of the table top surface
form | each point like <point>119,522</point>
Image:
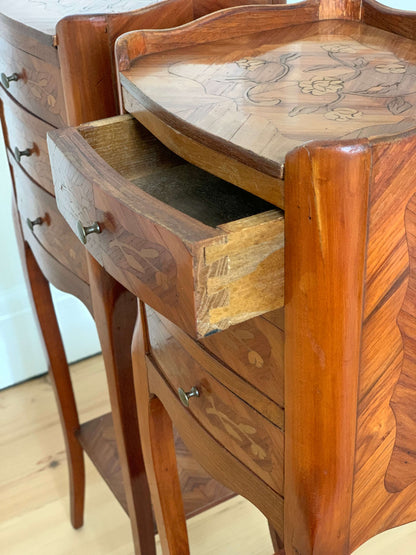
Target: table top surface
<point>261,95</point>
<point>43,15</point>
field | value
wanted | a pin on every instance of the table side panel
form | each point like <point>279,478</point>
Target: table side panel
<point>385,466</point>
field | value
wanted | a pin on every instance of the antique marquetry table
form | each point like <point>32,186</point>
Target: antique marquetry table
<point>259,200</point>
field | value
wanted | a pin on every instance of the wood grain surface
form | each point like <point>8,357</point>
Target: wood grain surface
<point>41,300</point>
<point>269,100</point>
<point>39,86</point>
<point>217,163</point>
<point>260,95</point>
<point>217,460</point>
<point>28,39</point>
<point>49,267</point>
<point>328,106</point>
<point>25,131</point>
<point>400,22</point>
<point>80,56</point>
<point>384,463</point>
<point>231,23</point>
<point>326,219</point>
<point>53,233</point>
<point>230,420</point>
<point>34,490</point>
<point>254,350</point>
<point>97,35</point>
<point>43,16</point>
<point>234,380</point>
<point>203,277</point>
<point>115,312</point>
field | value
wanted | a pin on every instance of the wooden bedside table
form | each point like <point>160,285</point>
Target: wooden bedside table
<point>57,69</point>
<point>311,108</point>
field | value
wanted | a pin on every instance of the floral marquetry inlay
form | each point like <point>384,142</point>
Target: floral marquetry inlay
<point>244,433</point>
<point>286,90</point>
<point>150,262</point>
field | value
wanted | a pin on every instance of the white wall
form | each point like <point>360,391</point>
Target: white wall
<point>399,4</point>
<point>21,354</point>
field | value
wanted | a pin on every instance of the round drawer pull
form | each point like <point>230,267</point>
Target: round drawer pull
<point>184,396</point>
<point>31,223</point>
<point>83,231</point>
<point>19,153</point>
<point>5,79</point>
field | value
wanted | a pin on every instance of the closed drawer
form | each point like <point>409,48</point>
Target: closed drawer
<point>204,253</point>
<point>38,85</point>
<point>25,136</point>
<point>43,223</point>
<point>254,350</point>
<point>232,421</point>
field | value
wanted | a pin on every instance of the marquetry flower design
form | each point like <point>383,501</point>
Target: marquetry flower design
<point>255,359</point>
<point>338,48</point>
<point>42,87</point>
<point>39,87</point>
<point>150,262</point>
<point>244,337</point>
<point>320,86</point>
<point>393,67</point>
<point>251,63</point>
<point>241,432</point>
<point>51,100</point>
<point>343,114</point>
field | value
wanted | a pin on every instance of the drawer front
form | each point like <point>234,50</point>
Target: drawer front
<point>243,431</point>
<point>49,229</point>
<point>203,278</point>
<point>38,86</point>
<point>27,134</point>
<point>255,351</point>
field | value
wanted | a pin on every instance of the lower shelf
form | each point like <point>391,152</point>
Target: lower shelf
<point>199,490</point>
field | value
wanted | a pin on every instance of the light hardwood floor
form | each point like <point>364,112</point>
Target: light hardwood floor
<point>34,489</point>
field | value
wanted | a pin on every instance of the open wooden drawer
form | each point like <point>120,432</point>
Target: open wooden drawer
<point>199,250</point>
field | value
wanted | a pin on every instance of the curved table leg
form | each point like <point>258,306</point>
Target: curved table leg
<point>40,296</point>
<point>115,311</point>
<point>159,454</point>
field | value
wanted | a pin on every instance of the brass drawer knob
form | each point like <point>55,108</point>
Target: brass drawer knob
<point>83,231</point>
<point>32,223</point>
<point>184,396</point>
<point>5,79</point>
<point>19,153</point>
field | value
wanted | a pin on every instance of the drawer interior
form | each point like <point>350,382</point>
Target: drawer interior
<point>204,253</point>
<point>139,157</point>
